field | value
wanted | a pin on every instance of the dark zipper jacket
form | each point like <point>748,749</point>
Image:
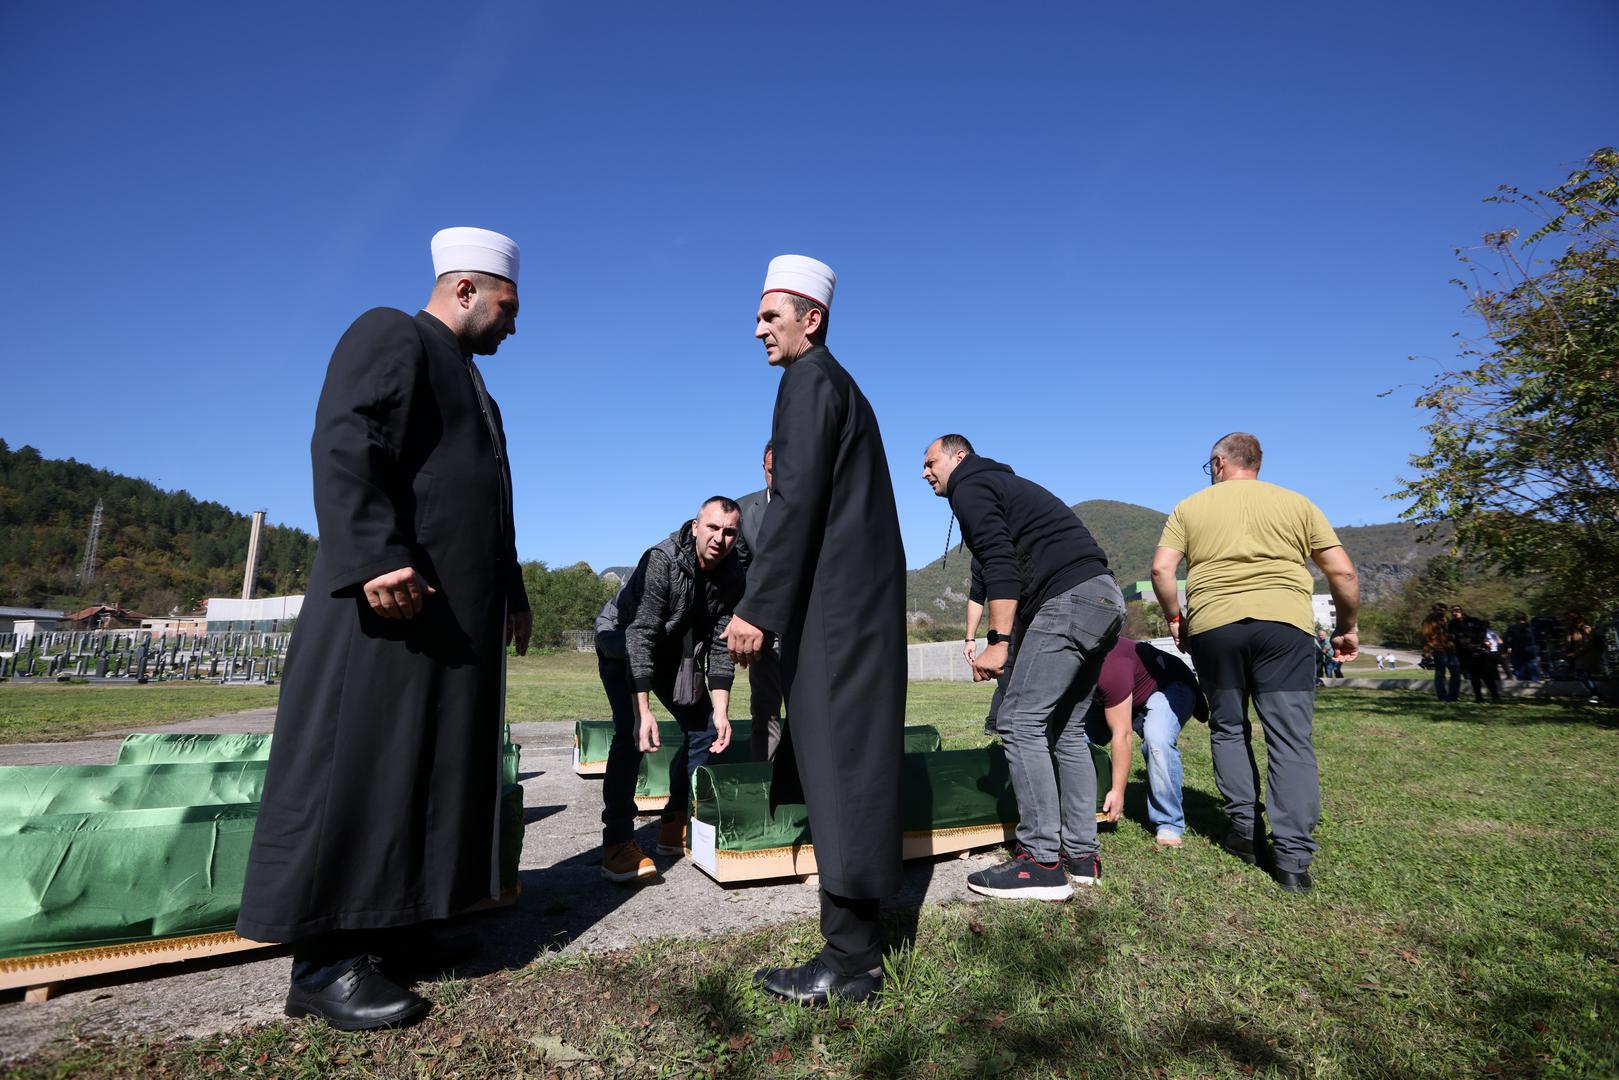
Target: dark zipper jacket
<point>668,608</point>
<point>1028,545</point>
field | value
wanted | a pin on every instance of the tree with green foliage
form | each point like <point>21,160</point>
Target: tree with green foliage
<point>1523,445</point>
<point>565,602</point>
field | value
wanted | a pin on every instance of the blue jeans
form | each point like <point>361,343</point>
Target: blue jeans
<point>1165,713</point>
<point>1447,664</point>
<point>1158,723</point>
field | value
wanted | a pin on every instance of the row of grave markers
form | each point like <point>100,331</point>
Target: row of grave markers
<point>143,656</point>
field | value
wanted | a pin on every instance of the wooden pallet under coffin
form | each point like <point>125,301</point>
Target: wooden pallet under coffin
<point>42,974</point>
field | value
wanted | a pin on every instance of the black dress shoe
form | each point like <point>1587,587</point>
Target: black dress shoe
<point>1293,881</point>
<point>1241,846</point>
<point>813,983</point>
<point>359,999</point>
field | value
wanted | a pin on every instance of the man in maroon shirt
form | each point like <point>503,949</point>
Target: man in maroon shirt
<point>1147,690</point>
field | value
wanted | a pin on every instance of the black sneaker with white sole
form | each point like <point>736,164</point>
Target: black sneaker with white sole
<point>1084,869</point>
<point>1022,878</point>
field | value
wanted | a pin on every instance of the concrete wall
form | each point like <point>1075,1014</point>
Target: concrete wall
<point>941,661</point>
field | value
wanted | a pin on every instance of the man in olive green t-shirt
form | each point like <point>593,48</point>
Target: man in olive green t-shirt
<point>1250,628</point>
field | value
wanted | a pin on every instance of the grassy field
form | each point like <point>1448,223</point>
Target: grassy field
<point>52,712</point>
<point>1465,921</point>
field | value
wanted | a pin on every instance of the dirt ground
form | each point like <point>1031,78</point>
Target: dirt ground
<point>565,906</point>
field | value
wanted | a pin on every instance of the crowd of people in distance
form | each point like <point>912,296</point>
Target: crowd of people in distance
<point>1455,643</point>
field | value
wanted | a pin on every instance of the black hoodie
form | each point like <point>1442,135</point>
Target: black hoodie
<point>1030,545</point>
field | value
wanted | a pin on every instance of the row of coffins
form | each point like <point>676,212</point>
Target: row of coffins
<point>100,864</point>
<point>951,800</point>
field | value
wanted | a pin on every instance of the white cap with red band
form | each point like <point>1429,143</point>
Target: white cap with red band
<point>801,276</point>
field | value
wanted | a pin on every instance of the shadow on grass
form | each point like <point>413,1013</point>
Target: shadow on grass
<point>1555,711</point>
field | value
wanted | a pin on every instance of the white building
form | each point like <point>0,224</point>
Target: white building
<point>269,614</point>
<point>26,622</point>
<point>1326,612</point>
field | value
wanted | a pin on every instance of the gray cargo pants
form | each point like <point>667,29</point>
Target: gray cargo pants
<point>1272,664</point>
<point>1058,657</point>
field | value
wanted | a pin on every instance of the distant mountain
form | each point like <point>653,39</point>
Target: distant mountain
<point>1385,556</point>
<point>158,550</point>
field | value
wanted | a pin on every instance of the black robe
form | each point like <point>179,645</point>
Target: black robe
<point>380,804</point>
<point>829,579</point>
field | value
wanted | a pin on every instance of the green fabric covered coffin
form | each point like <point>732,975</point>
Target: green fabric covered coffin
<point>652,782</point>
<point>154,748</point>
<point>98,855</point>
<point>148,748</point>
<point>71,881</point>
<point>951,800</point>
<point>34,790</point>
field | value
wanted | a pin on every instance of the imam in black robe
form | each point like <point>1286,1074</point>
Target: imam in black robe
<point>829,580</point>
<point>380,804</point>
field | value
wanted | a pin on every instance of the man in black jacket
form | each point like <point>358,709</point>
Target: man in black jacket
<point>660,634</point>
<point>381,802</point>
<point>829,581</point>
<point>1053,601</point>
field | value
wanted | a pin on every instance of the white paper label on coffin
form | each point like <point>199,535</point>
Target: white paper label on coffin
<point>703,845</point>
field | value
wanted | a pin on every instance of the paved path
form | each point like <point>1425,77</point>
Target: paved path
<point>565,905</point>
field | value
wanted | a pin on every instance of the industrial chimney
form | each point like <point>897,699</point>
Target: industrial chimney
<point>252,554</point>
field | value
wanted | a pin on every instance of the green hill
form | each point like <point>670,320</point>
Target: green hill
<point>159,550</point>
<point>1127,532</point>
<point>1385,555</point>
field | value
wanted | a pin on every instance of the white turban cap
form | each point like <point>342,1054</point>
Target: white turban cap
<point>801,276</point>
<point>477,250</point>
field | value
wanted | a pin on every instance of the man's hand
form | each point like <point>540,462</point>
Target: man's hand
<point>1346,646</point>
<point>1113,805</point>
<point>519,627</point>
<point>398,594</point>
<point>743,640</point>
<point>990,663</point>
<point>1175,633</point>
<point>722,734</point>
<point>969,650</point>
<point>647,741</point>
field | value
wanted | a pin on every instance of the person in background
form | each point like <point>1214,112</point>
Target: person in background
<point>1054,612</point>
<point>1153,694</point>
<point>1249,625</point>
<point>1523,650</point>
<point>1470,635</point>
<point>764,674</point>
<point>660,634</point>
<point>1441,650</point>
<point>1585,649</point>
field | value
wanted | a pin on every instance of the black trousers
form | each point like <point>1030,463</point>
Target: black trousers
<point>1482,671</point>
<point>853,932</point>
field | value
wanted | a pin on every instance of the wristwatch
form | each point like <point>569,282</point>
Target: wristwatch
<point>995,637</point>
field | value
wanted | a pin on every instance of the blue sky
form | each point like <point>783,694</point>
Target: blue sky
<point>1091,237</point>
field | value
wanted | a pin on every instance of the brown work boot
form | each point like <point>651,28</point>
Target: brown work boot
<point>672,838</point>
<point>626,862</point>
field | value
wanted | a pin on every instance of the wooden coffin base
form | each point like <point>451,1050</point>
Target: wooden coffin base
<point>736,867</point>
<point>43,974</point>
